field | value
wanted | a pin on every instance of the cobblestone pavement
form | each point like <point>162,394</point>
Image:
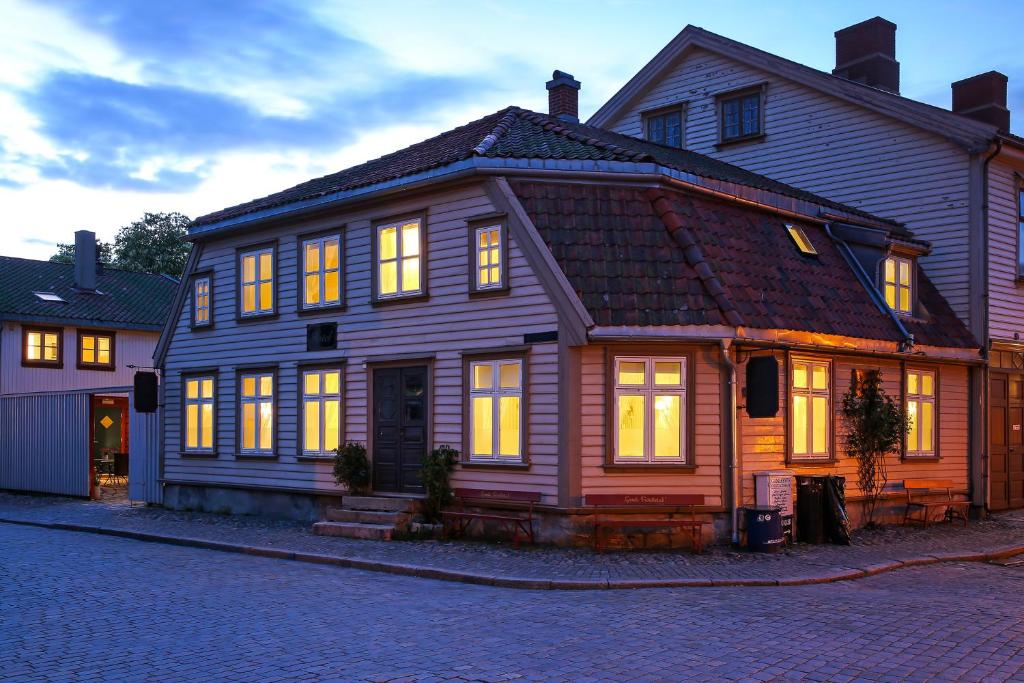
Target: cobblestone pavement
<point>869,548</point>
<point>84,607</point>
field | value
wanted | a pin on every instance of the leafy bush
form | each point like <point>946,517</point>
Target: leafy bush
<point>351,467</point>
<point>437,466</point>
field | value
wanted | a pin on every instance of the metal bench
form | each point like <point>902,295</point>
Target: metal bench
<point>919,511</point>
<point>603,526</point>
<point>456,521</point>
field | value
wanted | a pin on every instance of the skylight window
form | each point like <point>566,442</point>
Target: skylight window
<point>49,296</point>
<point>800,239</point>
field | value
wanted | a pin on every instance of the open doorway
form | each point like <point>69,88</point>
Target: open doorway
<point>108,452</point>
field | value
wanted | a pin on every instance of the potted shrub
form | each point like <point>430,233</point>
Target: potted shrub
<point>352,468</point>
<point>437,466</point>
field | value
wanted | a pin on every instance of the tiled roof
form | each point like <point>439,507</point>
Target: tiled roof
<point>133,299</point>
<point>515,133</point>
<point>660,257</point>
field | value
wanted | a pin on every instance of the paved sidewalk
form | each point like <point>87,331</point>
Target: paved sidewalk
<point>532,567</point>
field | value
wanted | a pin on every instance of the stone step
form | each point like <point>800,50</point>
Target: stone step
<point>394,519</point>
<point>380,503</point>
<point>375,532</point>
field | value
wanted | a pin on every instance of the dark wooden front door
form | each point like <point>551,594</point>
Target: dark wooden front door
<point>1006,434</point>
<point>400,419</point>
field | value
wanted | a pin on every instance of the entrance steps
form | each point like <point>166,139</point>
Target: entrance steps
<point>369,517</point>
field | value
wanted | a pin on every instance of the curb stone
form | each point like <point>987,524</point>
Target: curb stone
<point>829,575</point>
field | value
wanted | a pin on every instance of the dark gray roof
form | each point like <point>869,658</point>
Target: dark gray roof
<point>125,299</point>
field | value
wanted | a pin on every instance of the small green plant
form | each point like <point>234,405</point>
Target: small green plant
<point>437,466</point>
<point>351,467</point>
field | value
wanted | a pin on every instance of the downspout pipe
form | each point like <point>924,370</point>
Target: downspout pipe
<point>734,483</point>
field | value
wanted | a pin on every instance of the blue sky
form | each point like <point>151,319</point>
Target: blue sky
<point>110,108</point>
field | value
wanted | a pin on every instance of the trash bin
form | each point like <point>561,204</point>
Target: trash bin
<point>810,509</point>
<point>837,524</point>
<point>764,529</point>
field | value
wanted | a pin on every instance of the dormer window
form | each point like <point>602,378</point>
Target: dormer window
<point>898,282</point>
<point>664,126</point>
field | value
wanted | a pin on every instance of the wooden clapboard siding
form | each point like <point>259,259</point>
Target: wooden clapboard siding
<point>763,441</point>
<point>449,323</point>
<point>1006,296</point>
<point>597,430</point>
<point>833,148</point>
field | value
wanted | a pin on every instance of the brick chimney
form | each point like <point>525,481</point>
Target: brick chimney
<point>866,53</point>
<point>983,97</point>
<point>85,260</point>
<point>564,97</point>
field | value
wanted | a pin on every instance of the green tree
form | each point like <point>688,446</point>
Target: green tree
<point>154,244</point>
<point>66,253</point>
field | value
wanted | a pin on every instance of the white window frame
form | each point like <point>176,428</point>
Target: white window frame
<point>649,390</point>
<point>811,393</point>
<point>919,397</point>
<point>198,303</point>
<point>321,397</point>
<point>321,272</point>
<point>258,401</point>
<point>496,392</point>
<point>258,282</point>
<point>199,401</point>
<point>479,251</point>
<point>400,258</point>
<point>897,284</point>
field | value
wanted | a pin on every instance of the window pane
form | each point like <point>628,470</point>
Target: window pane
<point>799,376</point>
<point>192,426</point>
<point>103,357</point>
<point>411,274</point>
<point>266,296</point>
<point>248,298</point>
<point>483,376</point>
<point>312,432</point>
<point>667,416</point>
<point>88,355</point>
<point>912,385</point>
<point>266,385</point>
<point>192,388</point>
<point>266,424</point>
<point>104,343</point>
<point>50,346</point>
<point>800,425</point>
<point>927,427</point>
<point>248,426</point>
<point>266,265</point>
<point>410,239</point>
<point>331,254</point>
<point>332,424</point>
<point>927,385</point>
<point>331,290</point>
<point>485,276</point>
<point>34,344</point>
<point>508,428</point>
<point>632,372</point>
<point>914,433</point>
<point>207,440</point>
<point>248,386</point>
<point>668,373</point>
<point>495,275</point>
<point>819,377</point>
<point>312,289</point>
<point>387,246</point>
<point>389,277</point>
<point>484,254</point>
<point>312,257</point>
<point>631,427</point>
<point>483,443</point>
<point>820,440</point>
<point>312,383</point>
<point>890,270</point>
<point>904,299</point>
<point>890,296</point>
<point>88,343</point>
<point>904,273</point>
<point>248,269</point>
<point>207,388</point>
<point>332,382</point>
<point>509,376</point>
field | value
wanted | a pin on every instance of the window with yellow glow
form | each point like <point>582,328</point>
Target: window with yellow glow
<point>321,411</point>
<point>898,274</point>
<point>489,258</point>
<point>496,410</point>
<point>811,399</point>
<point>42,347</point>
<point>257,280</point>
<point>920,399</point>
<point>257,403</point>
<point>321,267</point>
<point>199,412</point>
<point>800,239</point>
<point>201,301</point>
<point>96,349</point>
<point>649,406</point>
<point>399,261</point>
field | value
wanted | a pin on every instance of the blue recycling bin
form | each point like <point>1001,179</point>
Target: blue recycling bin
<point>764,529</point>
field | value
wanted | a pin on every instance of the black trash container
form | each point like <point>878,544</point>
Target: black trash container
<point>764,529</point>
<point>837,524</point>
<point>810,509</point>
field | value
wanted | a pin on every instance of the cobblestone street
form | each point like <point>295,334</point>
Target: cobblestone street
<point>77,606</point>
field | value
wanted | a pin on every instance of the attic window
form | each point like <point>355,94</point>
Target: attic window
<point>49,296</point>
<point>800,239</point>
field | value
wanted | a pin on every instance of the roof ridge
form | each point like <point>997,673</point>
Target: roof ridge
<point>677,230</point>
<point>104,266</point>
<point>503,125</point>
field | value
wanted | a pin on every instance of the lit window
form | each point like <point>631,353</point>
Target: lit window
<point>257,282</point>
<point>399,261</point>
<point>650,400</point>
<point>495,410</point>
<point>811,399</point>
<point>95,349</point>
<point>800,239</point>
<point>321,411</point>
<point>899,278</point>
<point>489,257</point>
<point>41,347</point>
<point>199,412</point>
<point>921,413</point>
<point>741,116</point>
<point>321,284</point>
<point>257,401</point>
<point>49,296</point>
<point>665,128</point>
<point>201,301</point>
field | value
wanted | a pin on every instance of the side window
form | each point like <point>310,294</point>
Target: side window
<point>95,350</point>
<point>920,403</point>
<point>649,409</point>
<point>42,347</point>
<point>321,411</point>
<point>664,127</point>
<point>898,277</point>
<point>496,410</point>
<point>489,257</point>
<point>200,409</point>
<point>399,267</point>
<point>740,116</point>
<point>257,412</point>
<point>810,396</point>
<point>321,268</point>
<point>201,302</point>
<point>256,269</point>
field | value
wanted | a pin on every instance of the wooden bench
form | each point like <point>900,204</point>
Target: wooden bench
<point>456,521</point>
<point>917,488</point>
<point>604,526</point>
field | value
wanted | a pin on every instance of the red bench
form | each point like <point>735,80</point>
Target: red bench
<point>687,501</point>
<point>919,511</point>
<point>456,521</point>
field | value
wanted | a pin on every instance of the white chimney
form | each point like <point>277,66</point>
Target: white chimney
<point>85,260</point>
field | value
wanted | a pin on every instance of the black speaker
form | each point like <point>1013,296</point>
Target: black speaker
<point>145,392</point>
<point>762,386</point>
<point>321,336</point>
